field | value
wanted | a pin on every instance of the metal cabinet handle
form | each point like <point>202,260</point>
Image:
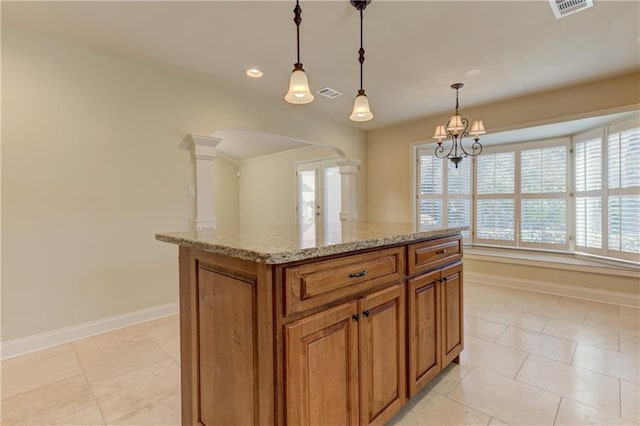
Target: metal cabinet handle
<point>366,313</point>
<point>358,274</point>
<point>443,251</point>
<point>355,317</point>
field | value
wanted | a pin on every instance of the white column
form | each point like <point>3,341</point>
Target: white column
<point>205,152</point>
<point>348,174</point>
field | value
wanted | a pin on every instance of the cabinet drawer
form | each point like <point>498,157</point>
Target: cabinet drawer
<point>431,254</point>
<point>314,284</point>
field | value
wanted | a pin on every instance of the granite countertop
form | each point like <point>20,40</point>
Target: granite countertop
<point>286,243</point>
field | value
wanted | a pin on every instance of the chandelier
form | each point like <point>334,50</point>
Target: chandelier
<point>457,128</point>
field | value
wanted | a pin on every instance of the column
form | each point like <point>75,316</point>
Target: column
<point>348,174</point>
<point>204,152</point>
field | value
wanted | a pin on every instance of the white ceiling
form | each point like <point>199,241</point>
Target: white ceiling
<point>414,49</point>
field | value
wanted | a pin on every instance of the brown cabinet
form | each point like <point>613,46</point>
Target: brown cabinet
<point>434,311</point>
<point>345,366</point>
<point>340,340</point>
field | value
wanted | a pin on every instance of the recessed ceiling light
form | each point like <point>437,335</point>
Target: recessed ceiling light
<point>474,71</point>
<point>254,73</point>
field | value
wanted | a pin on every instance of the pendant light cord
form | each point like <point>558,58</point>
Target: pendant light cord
<point>361,51</point>
<point>297,19</point>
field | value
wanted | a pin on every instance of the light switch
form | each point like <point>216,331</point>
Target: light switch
<point>191,191</point>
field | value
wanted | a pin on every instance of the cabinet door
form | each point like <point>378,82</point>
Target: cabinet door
<point>424,330</point>
<point>382,355</point>
<point>321,362</point>
<point>452,319</point>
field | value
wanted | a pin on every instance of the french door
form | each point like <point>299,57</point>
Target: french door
<point>318,199</point>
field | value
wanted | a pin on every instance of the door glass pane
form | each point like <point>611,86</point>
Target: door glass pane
<point>307,204</point>
<point>332,194</point>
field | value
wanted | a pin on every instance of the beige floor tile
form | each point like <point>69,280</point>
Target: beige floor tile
<point>31,372</point>
<point>557,312</point>
<point>48,403</point>
<point>629,313</point>
<point>496,422</point>
<point>482,329</point>
<point>100,366</point>
<point>630,397</point>
<point>127,393</point>
<point>478,309</point>
<point>517,318</point>
<point>448,378</point>
<point>88,417</point>
<point>539,344</point>
<point>593,389</point>
<point>492,357</point>
<point>513,402</point>
<point>167,337</point>
<point>438,410</point>
<point>572,413</point>
<point>612,363</point>
<point>601,311</point>
<point>165,412</point>
<point>618,324</point>
<point>630,343</point>
<point>160,322</point>
<point>582,333</point>
<point>109,341</point>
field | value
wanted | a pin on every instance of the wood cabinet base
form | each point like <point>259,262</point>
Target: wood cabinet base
<point>317,342</point>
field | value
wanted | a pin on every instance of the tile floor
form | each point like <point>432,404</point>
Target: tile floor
<point>529,359</point>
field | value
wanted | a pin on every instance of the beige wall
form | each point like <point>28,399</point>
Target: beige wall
<point>95,161</point>
<point>389,180</point>
<point>226,199</point>
<point>572,281</point>
<point>268,187</point>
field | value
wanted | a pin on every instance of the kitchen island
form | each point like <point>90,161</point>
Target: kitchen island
<point>342,327</point>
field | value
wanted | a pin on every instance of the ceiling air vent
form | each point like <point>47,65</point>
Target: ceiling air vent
<point>563,8</point>
<point>328,92</point>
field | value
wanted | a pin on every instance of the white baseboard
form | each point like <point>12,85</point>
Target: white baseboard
<point>25,345</point>
<point>602,296</point>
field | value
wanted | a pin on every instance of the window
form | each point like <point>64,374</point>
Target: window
<point>577,194</point>
<point>495,198</point>
<point>444,192</point>
<point>607,177</point>
<point>589,191</point>
<point>544,198</point>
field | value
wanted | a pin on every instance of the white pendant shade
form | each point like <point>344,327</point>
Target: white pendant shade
<point>299,92</point>
<point>361,111</point>
<point>477,128</point>
<point>440,133</point>
<point>455,124</point>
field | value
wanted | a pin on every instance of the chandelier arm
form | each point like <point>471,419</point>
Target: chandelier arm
<point>464,133</point>
<point>439,151</point>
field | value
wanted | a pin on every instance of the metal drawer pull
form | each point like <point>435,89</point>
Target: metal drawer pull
<point>358,274</point>
<point>443,251</point>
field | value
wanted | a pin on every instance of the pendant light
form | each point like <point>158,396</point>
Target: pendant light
<point>299,92</point>
<point>361,110</point>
